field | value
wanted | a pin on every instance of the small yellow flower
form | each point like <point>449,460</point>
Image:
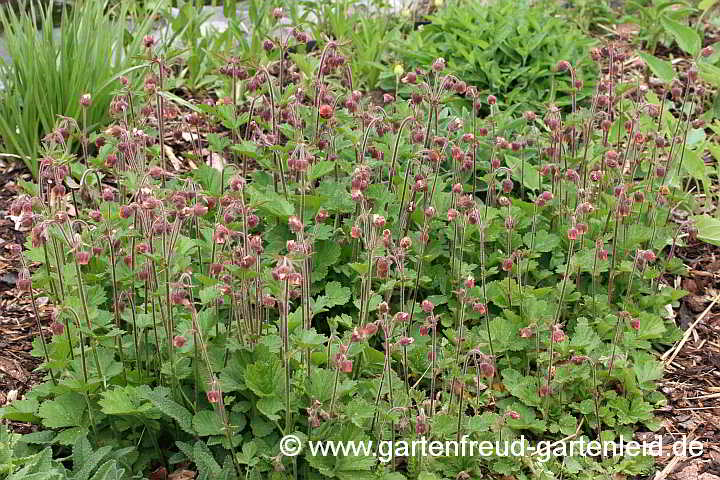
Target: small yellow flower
<point>405,13</point>
<point>438,3</point>
<point>398,70</point>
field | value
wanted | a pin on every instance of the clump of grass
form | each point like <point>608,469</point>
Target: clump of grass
<point>52,68</point>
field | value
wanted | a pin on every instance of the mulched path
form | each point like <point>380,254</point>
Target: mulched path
<point>17,322</point>
<point>692,380</point>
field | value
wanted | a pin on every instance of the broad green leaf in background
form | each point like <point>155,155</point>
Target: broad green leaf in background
<point>708,228</point>
<point>686,37</point>
<point>660,68</point>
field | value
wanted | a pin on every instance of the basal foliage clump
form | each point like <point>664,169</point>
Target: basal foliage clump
<point>357,271</point>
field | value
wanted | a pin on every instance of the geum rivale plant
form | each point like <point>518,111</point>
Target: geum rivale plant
<point>360,271</point>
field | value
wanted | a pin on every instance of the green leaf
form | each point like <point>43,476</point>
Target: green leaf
<point>708,228</point>
<point>64,411</point>
<point>686,37</point>
<point>336,294</point>
<point>660,68</point>
<point>694,164</point>
<point>320,169</point>
<point>270,202</point>
<point>123,401</point>
<point>264,377</point>
<point>159,398</point>
<point>207,423</point>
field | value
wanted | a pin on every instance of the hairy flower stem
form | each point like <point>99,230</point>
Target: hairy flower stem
<point>483,283</point>
<point>83,301</point>
<point>40,333</point>
<point>286,353</point>
<point>558,312</point>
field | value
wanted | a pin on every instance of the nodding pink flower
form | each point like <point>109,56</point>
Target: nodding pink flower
<point>578,359</point>
<point>530,116</point>
<point>156,172</point>
<point>473,216</point>
<point>647,255</point>
<point>707,51</point>
<point>513,414</point>
<point>547,196</point>
<point>321,215</point>
<point>221,234</point>
<point>468,137</point>
<point>126,211</point>
<point>237,183</point>
<point>457,188</point>
<point>410,77</point>
<point>295,279</point>
<point>214,396</point>
<point>509,223</point>
<point>470,282</point>
<point>492,99</point>
<point>142,247</point>
<point>355,232</point>
<point>427,306</point>
<point>545,390</point>
<point>452,214</point>
<point>487,370</point>
<point>431,355</point>
<point>421,425</point>
<point>268,301</point>
<point>635,324</point>
<point>507,264</point>
<point>248,261</point>
<point>439,64</point>
<point>57,328</point>
<point>178,297</point>
<point>507,185</point>
<point>572,175</point>
<point>215,268</point>
<point>595,175</point>
<point>424,330</point>
<point>562,66</point>
<point>582,228</point>
<point>82,257</point>
<point>602,254</point>
<point>96,215</point>
<point>199,210</point>
<point>85,100</point>
<point>378,221</point>
<point>383,307</point>
<point>148,41</point>
<point>558,336</point>
<point>572,233</point>
<point>346,366</point>
<point>402,317</point>
<point>526,332</point>
<point>356,196</point>
<point>253,220</point>
<point>179,341</point>
<point>268,45</point>
<point>277,13</point>
<point>295,224</point>
<point>127,259</point>
<point>369,330</point>
<point>325,111</point>
<point>388,98</point>
<point>405,341</point>
<point>480,308</point>
<point>405,243</point>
